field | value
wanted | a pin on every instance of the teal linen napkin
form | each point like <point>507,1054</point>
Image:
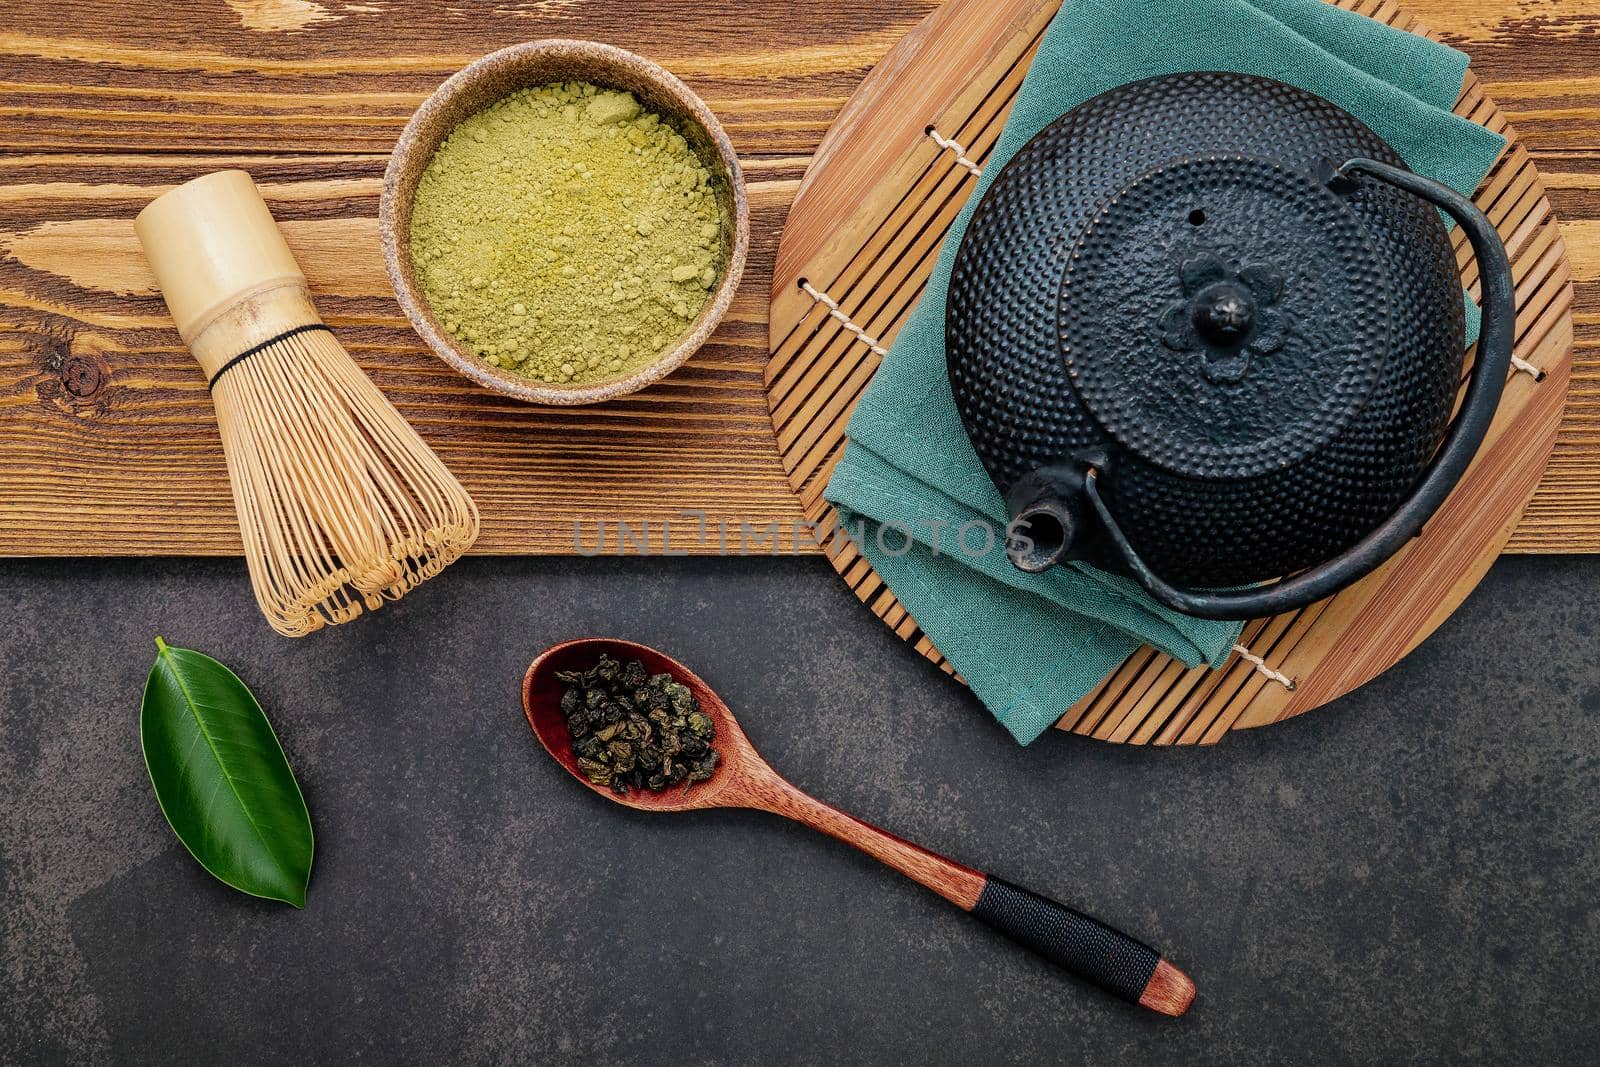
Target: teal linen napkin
<point>910,489</point>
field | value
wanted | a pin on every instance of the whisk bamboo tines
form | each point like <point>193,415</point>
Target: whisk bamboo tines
<point>341,505</point>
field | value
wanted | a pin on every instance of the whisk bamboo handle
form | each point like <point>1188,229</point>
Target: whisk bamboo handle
<point>224,268</point>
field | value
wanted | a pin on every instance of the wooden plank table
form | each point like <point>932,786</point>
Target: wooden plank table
<point>107,443</point>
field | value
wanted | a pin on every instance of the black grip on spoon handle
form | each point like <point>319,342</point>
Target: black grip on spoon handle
<point>1121,965</point>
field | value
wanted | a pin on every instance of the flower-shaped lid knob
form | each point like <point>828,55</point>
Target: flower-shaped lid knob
<point>1228,314</point>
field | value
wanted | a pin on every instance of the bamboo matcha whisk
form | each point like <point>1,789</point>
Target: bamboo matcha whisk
<point>341,505</point>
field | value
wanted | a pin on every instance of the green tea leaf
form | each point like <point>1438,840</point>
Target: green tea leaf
<point>221,777</point>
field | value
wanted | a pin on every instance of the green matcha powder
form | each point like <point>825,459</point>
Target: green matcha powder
<point>566,234</point>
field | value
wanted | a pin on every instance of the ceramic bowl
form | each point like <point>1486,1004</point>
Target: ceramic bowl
<point>533,64</point>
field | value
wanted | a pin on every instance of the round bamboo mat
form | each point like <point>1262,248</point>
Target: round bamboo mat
<point>861,238</point>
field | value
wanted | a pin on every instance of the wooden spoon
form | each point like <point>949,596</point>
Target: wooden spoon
<point>1084,946</point>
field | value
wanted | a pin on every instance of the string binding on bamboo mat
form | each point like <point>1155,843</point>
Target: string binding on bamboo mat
<point>1522,365</point>
<point>841,318</point>
<point>1261,668</point>
<point>950,144</point>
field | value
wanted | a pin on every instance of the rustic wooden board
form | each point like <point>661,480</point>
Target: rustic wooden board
<point>107,443</point>
<point>865,229</point>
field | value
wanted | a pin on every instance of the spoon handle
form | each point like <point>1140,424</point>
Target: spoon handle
<point>1082,944</point>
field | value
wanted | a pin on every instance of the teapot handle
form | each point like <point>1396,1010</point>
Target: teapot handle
<point>1449,463</point>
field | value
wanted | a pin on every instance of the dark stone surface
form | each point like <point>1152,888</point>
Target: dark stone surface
<point>1410,875</point>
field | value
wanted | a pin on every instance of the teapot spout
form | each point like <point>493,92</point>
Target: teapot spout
<point>1048,511</point>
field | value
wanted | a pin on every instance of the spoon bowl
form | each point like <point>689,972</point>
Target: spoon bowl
<point>1083,945</point>
<point>541,701</point>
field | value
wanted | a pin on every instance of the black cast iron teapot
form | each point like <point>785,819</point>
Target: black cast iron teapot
<point>1207,330</point>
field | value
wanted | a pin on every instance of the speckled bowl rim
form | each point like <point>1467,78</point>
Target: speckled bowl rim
<point>524,62</point>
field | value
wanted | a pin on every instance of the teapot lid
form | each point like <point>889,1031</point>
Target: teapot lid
<point>1223,316</point>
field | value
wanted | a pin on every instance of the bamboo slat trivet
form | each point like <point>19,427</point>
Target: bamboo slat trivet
<point>887,182</point>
